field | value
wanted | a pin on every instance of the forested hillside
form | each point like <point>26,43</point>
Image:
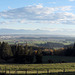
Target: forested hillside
<point>30,54</point>
<point>51,45</point>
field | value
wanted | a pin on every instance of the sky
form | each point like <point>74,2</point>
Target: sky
<point>52,15</point>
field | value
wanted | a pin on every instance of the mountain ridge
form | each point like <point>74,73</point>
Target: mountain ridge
<point>22,31</point>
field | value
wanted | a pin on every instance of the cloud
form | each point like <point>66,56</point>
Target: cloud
<point>60,31</point>
<point>8,21</point>
<point>52,2</point>
<point>9,7</point>
<point>65,8</point>
<point>39,14</point>
<point>71,0</point>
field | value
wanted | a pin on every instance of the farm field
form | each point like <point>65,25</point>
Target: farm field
<point>57,59</point>
<point>39,39</point>
<point>33,42</point>
<point>42,68</point>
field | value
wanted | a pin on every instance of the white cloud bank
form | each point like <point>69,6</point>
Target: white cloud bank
<point>39,14</point>
<point>71,0</point>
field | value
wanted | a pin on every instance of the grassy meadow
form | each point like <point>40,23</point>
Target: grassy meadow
<point>42,68</point>
<point>57,59</point>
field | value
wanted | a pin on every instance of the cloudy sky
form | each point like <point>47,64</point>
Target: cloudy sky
<point>52,15</point>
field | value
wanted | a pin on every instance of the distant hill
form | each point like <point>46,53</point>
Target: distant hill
<point>51,45</point>
<point>22,31</point>
<point>37,32</point>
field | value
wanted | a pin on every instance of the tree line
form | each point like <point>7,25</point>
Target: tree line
<point>65,51</point>
<point>25,54</point>
<point>19,54</point>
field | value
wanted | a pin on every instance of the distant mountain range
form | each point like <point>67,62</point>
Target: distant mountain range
<point>37,31</point>
<point>21,31</point>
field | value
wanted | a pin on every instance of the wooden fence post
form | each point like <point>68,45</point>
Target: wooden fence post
<point>64,71</point>
<point>37,71</point>
<point>5,70</point>
<point>0,69</point>
<point>15,72</point>
<point>9,71</point>
<point>47,71</point>
<point>25,71</point>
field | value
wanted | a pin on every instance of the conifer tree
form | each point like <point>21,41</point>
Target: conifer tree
<point>20,50</point>
<point>74,45</point>
<point>26,49</point>
<point>39,56</point>
<point>0,49</point>
<point>6,50</point>
<point>30,51</point>
<point>19,55</point>
<point>14,49</point>
<point>31,55</point>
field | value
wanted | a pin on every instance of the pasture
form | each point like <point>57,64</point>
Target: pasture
<point>32,42</point>
<point>58,59</point>
<point>42,69</point>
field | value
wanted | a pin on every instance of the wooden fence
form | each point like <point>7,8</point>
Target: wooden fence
<point>27,72</point>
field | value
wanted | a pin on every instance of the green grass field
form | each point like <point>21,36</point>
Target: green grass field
<point>35,41</point>
<point>42,68</point>
<point>57,59</point>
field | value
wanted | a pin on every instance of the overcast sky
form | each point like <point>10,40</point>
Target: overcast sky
<point>52,15</point>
